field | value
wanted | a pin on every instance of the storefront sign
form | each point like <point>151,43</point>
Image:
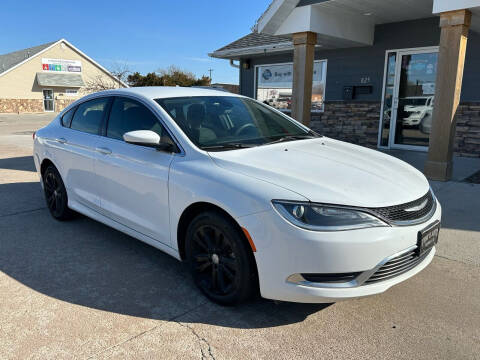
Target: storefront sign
<point>275,81</point>
<point>61,65</point>
<point>281,76</point>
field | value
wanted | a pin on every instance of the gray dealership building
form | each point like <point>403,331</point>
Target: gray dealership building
<point>378,73</point>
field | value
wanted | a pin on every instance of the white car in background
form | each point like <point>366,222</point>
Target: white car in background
<point>418,108</point>
<point>252,200</point>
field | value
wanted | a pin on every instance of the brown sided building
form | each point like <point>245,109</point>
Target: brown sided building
<point>48,77</point>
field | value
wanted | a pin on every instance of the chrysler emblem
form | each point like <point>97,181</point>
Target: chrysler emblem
<point>417,207</point>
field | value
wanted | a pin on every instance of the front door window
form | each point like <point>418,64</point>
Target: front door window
<point>48,104</point>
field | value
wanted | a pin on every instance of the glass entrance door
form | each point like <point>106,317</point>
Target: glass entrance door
<point>48,100</point>
<point>409,96</point>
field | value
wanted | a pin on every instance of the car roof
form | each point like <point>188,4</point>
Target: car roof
<point>159,92</point>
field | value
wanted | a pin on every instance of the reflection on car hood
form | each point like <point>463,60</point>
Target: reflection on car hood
<point>329,171</point>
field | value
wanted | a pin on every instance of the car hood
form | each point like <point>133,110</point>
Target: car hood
<point>329,171</point>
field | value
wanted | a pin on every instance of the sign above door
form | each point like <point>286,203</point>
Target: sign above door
<point>61,65</point>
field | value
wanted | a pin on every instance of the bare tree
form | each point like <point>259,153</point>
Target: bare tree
<point>120,74</point>
<point>120,71</point>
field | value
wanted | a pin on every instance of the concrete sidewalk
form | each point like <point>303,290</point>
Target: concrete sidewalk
<point>81,290</point>
<point>463,167</point>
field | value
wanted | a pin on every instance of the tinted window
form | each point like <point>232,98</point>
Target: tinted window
<point>67,117</point>
<point>129,115</point>
<point>89,115</point>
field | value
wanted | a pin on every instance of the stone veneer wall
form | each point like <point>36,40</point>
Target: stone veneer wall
<point>354,122</point>
<point>61,104</point>
<point>30,105</point>
<point>21,105</point>
<point>357,122</point>
<point>467,136</point>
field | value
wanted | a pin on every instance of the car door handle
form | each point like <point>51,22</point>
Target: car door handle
<point>103,150</point>
<point>61,140</point>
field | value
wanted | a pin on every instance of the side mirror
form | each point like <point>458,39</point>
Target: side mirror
<point>148,138</point>
<point>142,137</point>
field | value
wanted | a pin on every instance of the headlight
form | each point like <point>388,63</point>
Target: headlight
<point>325,217</point>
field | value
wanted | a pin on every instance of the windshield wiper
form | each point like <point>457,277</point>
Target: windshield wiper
<point>291,138</point>
<point>227,146</point>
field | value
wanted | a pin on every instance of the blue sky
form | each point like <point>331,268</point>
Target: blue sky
<point>147,35</point>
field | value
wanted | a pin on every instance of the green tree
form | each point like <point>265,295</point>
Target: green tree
<point>172,76</point>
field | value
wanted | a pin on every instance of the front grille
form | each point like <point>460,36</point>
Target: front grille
<point>398,213</point>
<point>397,266</point>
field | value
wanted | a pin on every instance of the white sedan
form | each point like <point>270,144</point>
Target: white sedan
<point>252,200</point>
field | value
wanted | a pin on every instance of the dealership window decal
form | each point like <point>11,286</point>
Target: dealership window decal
<point>274,85</point>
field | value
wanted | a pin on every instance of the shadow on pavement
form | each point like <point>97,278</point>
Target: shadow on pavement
<point>86,263</point>
<point>20,197</point>
<point>24,163</point>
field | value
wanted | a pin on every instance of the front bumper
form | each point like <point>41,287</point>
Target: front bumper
<point>412,120</point>
<point>284,250</point>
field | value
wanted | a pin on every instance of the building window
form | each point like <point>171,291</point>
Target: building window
<point>274,85</point>
<point>71,92</point>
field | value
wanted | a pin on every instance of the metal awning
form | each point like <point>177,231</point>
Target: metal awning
<point>64,80</point>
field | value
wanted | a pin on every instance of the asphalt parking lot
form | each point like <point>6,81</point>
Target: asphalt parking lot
<point>81,290</point>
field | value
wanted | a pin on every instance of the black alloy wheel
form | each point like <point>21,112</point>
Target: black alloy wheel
<point>56,194</point>
<point>220,259</point>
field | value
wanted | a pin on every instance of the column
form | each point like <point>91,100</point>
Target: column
<point>451,58</point>
<point>303,56</point>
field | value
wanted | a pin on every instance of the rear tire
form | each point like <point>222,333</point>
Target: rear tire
<point>220,260</point>
<point>56,194</point>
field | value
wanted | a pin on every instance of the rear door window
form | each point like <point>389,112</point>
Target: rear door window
<point>89,115</point>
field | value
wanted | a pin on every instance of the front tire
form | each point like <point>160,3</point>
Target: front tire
<point>56,194</point>
<point>220,260</point>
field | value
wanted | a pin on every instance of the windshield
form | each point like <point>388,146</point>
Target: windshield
<point>415,101</point>
<point>225,122</point>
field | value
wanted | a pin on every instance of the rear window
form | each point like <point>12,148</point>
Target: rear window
<point>67,117</point>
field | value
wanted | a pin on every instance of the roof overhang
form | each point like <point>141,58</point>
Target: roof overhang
<point>237,54</point>
<point>351,21</point>
<point>440,6</point>
<point>330,25</point>
<point>59,80</point>
<point>274,16</point>
<point>337,23</point>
